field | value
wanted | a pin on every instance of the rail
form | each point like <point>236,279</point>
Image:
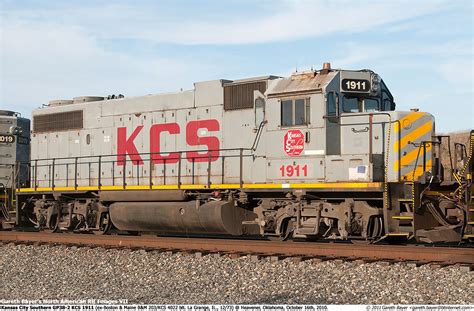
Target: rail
<point>440,255</point>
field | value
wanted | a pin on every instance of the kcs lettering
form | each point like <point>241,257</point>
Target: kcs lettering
<point>211,144</point>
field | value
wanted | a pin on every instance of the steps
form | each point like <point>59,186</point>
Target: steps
<point>7,210</point>
<point>399,216</point>
<point>469,230</point>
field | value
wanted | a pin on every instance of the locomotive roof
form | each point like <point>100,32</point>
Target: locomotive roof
<point>298,83</point>
<point>308,81</point>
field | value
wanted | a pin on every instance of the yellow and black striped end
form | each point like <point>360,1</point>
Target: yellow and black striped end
<point>410,131</point>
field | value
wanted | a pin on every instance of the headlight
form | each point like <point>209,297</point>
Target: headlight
<point>375,84</point>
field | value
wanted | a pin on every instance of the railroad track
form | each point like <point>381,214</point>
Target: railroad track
<point>298,250</point>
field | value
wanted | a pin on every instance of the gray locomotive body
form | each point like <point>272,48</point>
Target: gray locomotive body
<point>282,122</point>
<point>14,148</point>
<point>313,155</point>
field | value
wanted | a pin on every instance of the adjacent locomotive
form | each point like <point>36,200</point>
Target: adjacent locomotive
<point>317,155</point>
<point>14,148</point>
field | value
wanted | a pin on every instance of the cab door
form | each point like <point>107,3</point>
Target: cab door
<point>296,154</point>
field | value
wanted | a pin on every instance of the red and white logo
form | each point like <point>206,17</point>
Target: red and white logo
<point>293,143</point>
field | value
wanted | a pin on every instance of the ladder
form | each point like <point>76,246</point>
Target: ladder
<point>469,230</point>
<point>467,172</point>
<point>399,217</point>
<point>8,202</point>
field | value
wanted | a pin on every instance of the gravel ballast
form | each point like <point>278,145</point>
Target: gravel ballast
<point>58,272</point>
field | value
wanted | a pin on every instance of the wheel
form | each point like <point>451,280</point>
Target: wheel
<point>53,224</point>
<point>287,232</point>
<point>104,224</point>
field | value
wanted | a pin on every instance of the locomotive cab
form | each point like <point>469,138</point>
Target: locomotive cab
<point>334,124</point>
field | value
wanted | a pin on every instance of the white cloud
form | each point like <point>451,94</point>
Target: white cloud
<point>43,60</point>
<point>61,51</point>
<point>292,20</point>
<point>458,73</point>
<point>288,20</point>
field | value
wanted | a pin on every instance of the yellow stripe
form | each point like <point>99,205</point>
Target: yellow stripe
<point>62,188</point>
<point>137,187</point>
<point>413,135</point>
<point>360,185</point>
<point>410,157</point>
<point>418,171</point>
<point>193,187</point>
<point>43,189</point>
<point>407,120</point>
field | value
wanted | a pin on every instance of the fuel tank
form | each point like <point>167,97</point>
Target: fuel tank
<point>143,196</point>
<point>188,217</point>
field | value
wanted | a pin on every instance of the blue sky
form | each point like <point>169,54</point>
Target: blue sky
<point>60,49</point>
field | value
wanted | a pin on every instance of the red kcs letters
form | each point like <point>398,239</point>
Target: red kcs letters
<point>126,145</point>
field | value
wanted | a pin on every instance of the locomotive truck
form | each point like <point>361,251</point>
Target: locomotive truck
<point>322,154</point>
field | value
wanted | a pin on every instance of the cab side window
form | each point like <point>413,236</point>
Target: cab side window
<point>387,102</point>
<point>286,113</point>
<point>300,112</point>
<point>332,105</point>
<point>295,112</point>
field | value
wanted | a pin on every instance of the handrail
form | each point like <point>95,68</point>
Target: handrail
<point>422,145</point>
<point>53,165</point>
<point>144,153</point>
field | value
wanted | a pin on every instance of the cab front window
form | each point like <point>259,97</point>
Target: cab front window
<point>360,104</point>
<point>371,105</point>
<point>352,104</point>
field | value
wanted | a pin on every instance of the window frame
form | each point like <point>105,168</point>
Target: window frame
<point>360,103</point>
<point>306,110</point>
<point>364,108</point>
<point>259,105</point>
<point>333,115</point>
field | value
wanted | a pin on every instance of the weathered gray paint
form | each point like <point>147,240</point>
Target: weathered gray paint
<point>237,130</point>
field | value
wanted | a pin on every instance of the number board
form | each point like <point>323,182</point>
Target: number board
<point>7,139</point>
<point>355,85</point>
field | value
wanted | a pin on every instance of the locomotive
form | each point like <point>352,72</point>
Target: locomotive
<point>319,155</point>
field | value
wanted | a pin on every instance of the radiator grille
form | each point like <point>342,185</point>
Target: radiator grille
<point>61,121</point>
<point>240,96</point>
